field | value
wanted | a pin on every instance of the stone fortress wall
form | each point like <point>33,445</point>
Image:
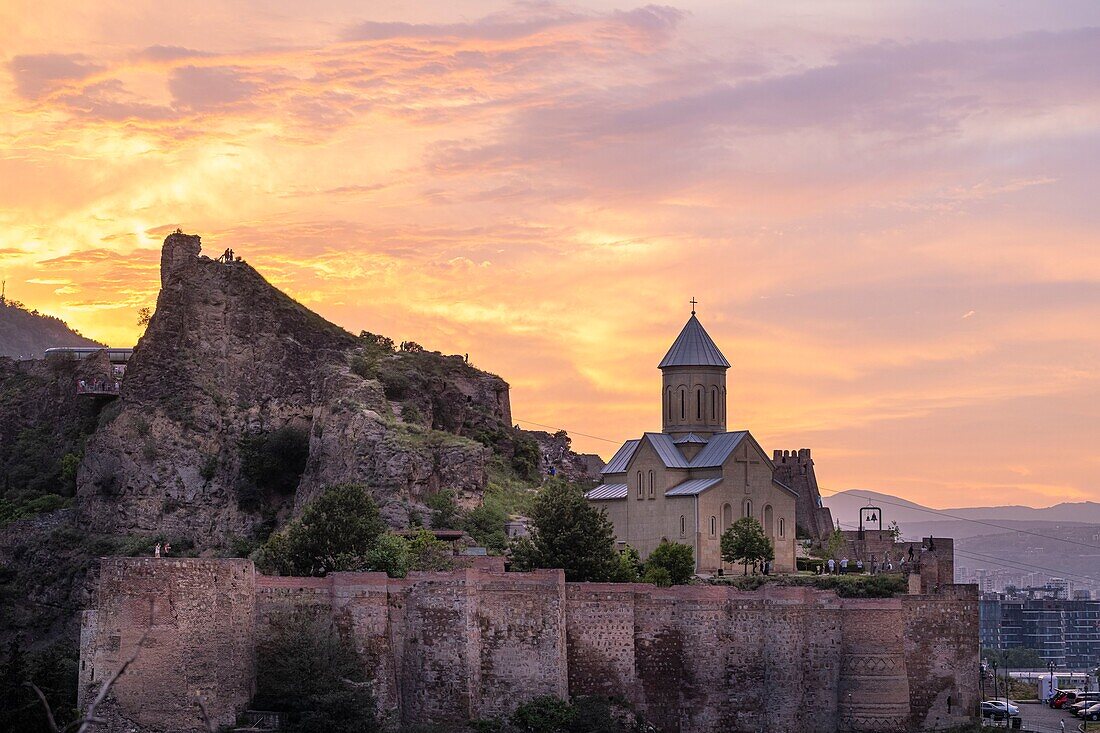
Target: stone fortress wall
<point>449,647</point>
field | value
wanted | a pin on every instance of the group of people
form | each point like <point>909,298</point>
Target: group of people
<point>160,549</point>
<point>98,386</point>
<point>874,566</point>
<point>228,256</point>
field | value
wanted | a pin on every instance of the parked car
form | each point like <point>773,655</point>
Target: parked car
<point>1092,712</point>
<point>1063,698</point>
<point>999,709</point>
<point>1084,700</point>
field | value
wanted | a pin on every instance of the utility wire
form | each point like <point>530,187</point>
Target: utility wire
<point>1016,564</point>
<point>942,513</point>
<point>571,432</point>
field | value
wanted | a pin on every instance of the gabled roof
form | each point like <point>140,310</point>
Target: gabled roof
<point>607,491</point>
<point>621,459</point>
<point>693,347</point>
<point>693,487</point>
<point>690,438</point>
<point>718,449</point>
<point>665,448</point>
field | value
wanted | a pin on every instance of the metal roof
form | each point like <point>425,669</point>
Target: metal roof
<point>693,487</point>
<point>690,438</point>
<point>694,347</point>
<point>782,485</point>
<point>619,461</point>
<point>607,491</point>
<point>718,449</point>
<point>667,450</point>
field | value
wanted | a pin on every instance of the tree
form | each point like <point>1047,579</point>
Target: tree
<point>569,533</point>
<point>746,542</point>
<point>486,525</point>
<point>428,553</point>
<point>335,532</point>
<point>678,560</point>
<point>145,315</point>
<point>390,555</point>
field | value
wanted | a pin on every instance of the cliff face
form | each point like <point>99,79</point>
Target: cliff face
<point>233,376</point>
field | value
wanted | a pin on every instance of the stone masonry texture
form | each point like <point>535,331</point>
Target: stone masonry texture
<point>445,648</point>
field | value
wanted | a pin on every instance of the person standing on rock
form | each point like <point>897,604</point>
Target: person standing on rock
<point>167,548</point>
<point>156,550</point>
<point>832,566</point>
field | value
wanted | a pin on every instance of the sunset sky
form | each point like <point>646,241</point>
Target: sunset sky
<point>889,212</point>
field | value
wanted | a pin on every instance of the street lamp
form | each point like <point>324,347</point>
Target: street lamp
<point>1050,666</point>
<point>993,664</point>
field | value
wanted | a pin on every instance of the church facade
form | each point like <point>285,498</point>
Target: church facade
<point>694,479</point>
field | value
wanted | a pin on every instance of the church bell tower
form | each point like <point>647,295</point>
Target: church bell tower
<point>693,384</point>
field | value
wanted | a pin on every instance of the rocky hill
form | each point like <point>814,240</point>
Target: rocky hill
<point>26,334</point>
<point>238,406</point>
<point>233,379</point>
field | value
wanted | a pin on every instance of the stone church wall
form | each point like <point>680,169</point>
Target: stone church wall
<point>449,647</point>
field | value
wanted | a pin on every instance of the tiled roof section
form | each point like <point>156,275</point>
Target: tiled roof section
<point>718,449</point>
<point>690,438</point>
<point>693,487</point>
<point>667,450</point>
<point>607,491</point>
<point>693,347</point>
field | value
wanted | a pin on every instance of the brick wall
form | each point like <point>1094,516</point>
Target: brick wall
<point>449,647</point>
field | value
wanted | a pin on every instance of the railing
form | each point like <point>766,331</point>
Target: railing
<point>98,386</point>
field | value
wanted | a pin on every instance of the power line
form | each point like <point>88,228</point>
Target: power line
<point>942,513</point>
<point>571,432</point>
<point>1017,564</point>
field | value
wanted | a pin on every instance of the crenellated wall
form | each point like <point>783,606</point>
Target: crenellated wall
<point>451,647</point>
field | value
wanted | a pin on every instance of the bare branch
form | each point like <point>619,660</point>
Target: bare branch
<point>45,704</point>
<point>205,714</point>
<point>90,715</point>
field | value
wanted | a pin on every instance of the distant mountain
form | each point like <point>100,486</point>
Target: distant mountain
<point>845,506</point>
<point>27,334</point>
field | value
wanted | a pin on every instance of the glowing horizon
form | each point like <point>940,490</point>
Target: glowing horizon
<point>886,213</point>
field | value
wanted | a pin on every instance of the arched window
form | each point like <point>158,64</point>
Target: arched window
<point>670,403</point>
<point>683,404</point>
<point>714,403</point>
<point>748,507</point>
<point>713,526</point>
<point>769,527</point>
<point>722,405</point>
<point>683,525</point>
<point>781,527</point>
<point>651,494</point>
<point>727,517</point>
<point>641,486</point>
<point>698,404</point>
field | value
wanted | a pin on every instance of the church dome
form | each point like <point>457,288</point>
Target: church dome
<point>694,347</point>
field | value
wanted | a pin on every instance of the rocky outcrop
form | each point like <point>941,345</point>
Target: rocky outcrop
<point>557,457</point>
<point>226,358</point>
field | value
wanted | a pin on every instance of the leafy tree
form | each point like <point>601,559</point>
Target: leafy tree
<point>377,341</point>
<point>835,546</point>
<point>676,559</point>
<point>546,714</point>
<point>486,525</point>
<point>658,576</point>
<point>428,553</point>
<point>390,555</point>
<point>569,533</point>
<point>444,509</point>
<point>745,542</point>
<point>304,668</point>
<point>1018,658</point>
<point>630,564</point>
<point>334,532</point>
<point>525,456</point>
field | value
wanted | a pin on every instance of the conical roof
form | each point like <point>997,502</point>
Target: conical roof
<point>694,347</point>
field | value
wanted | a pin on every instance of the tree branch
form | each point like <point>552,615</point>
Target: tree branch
<point>45,703</point>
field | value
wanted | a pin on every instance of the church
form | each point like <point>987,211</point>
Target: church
<point>691,481</point>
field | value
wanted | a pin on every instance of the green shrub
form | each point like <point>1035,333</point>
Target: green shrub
<point>209,467</point>
<point>677,560</point>
<point>390,554</point>
<point>428,553</point>
<point>525,456</point>
<point>657,575</point>
<point>395,384</point>
<point>444,509</point>
<point>335,532</point>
